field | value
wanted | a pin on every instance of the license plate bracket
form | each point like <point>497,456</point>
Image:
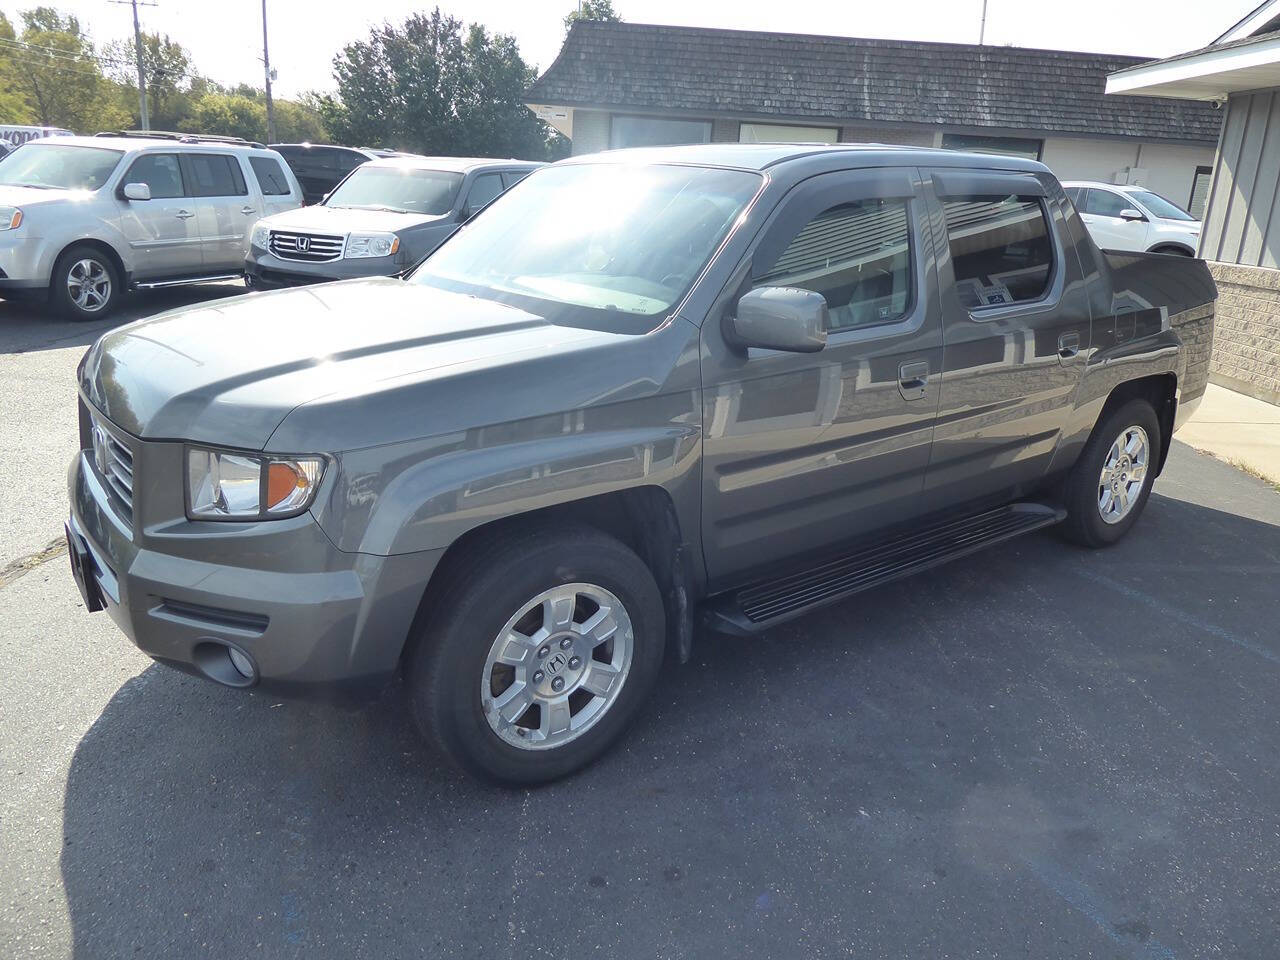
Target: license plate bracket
<point>83,571</point>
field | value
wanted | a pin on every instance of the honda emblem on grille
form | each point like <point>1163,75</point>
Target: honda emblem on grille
<point>303,244</point>
<point>100,448</point>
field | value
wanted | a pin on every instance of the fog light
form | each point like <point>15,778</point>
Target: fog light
<point>242,663</point>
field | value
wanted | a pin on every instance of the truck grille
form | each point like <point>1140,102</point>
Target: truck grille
<point>305,247</point>
<point>114,460</point>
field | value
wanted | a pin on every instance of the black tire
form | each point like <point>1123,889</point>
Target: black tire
<point>103,275</point>
<point>1085,523</point>
<point>484,588</point>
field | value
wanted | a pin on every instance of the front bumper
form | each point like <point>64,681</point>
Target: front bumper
<point>264,269</point>
<point>312,620</point>
<point>22,264</point>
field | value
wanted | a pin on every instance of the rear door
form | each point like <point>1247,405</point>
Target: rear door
<point>1101,213</point>
<point>273,184</point>
<point>803,450</point>
<point>164,232</point>
<point>224,208</point>
<point>1016,332</point>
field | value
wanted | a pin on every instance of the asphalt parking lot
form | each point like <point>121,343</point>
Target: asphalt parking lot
<point>1038,751</point>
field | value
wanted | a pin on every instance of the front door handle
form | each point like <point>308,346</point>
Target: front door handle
<point>248,211</point>
<point>184,214</point>
<point>913,379</point>
<point>1068,345</point>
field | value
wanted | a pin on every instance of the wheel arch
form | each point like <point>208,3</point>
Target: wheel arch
<point>1176,248</point>
<point>102,247</point>
<point>644,518</point>
<point>1161,391</point>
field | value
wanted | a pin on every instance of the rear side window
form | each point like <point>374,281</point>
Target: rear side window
<point>511,177</point>
<point>858,256</point>
<point>484,190</point>
<point>271,178</point>
<point>160,172</point>
<point>215,175</point>
<point>1000,249</point>
<point>1104,203</point>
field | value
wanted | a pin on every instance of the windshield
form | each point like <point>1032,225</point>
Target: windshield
<point>1159,206</point>
<point>58,167</point>
<point>613,237</point>
<point>398,189</point>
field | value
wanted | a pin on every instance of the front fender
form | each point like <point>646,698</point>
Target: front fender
<point>423,495</point>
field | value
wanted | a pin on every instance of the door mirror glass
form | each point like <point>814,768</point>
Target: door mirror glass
<point>1130,213</point>
<point>137,191</point>
<point>782,318</point>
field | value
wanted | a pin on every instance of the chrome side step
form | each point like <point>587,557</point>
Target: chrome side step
<point>764,604</point>
<point>185,281</point>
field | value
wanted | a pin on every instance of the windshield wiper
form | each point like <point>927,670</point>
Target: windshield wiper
<point>367,206</point>
<point>37,186</point>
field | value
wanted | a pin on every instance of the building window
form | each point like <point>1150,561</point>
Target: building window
<point>785,133</point>
<point>1199,192</point>
<point>858,256</point>
<point>1000,249</point>
<point>1002,146</point>
<point>657,131</point>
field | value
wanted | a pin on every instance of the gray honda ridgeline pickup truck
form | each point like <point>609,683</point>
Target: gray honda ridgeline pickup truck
<point>644,390</point>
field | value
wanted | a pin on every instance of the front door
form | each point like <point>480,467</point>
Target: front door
<point>1100,210</point>
<point>163,233</point>
<point>804,450</point>
<point>1016,333</point>
<point>224,208</point>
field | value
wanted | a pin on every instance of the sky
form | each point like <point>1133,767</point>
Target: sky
<point>225,36</point>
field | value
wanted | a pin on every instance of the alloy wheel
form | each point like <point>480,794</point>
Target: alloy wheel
<point>1124,471</point>
<point>89,285</point>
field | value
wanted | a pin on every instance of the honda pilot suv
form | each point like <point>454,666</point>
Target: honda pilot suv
<point>83,219</point>
<point>645,391</point>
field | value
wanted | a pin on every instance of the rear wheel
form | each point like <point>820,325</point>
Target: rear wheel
<point>85,284</point>
<point>545,646</point>
<point>1110,483</point>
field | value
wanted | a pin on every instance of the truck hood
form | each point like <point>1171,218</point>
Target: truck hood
<point>229,372</point>
<point>320,219</point>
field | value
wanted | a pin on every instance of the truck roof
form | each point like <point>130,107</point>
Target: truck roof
<point>761,156</point>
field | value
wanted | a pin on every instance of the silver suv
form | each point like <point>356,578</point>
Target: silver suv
<point>82,219</point>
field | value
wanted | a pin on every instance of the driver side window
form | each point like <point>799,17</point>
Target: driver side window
<point>1104,203</point>
<point>857,255</point>
<point>160,172</point>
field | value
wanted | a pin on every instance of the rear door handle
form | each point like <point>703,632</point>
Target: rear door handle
<point>184,214</point>
<point>913,379</point>
<point>1068,345</point>
<point>248,211</point>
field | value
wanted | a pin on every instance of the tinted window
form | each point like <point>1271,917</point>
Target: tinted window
<point>399,189</point>
<point>857,255</point>
<point>1104,203</point>
<point>511,177</point>
<point>160,172</point>
<point>215,175</point>
<point>487,186</point>
<point>1073,194</point>
<point>1000,249</point>
<point>343,161</point>
<point>271,178</point>
<point>657,132</point>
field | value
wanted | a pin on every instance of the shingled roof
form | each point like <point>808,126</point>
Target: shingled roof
<point>644,67</point>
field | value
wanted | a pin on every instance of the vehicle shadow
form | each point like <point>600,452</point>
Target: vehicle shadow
<point>985,740</point>
<point>27,326</point>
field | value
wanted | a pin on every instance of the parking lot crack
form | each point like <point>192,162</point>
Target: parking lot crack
<point>19,568</point>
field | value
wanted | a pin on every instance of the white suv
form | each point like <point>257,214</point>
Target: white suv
<point>82,219</point>
<point>1127,217</point>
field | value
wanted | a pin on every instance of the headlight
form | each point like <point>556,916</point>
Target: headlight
<point>10,218</point>
<point>244,486</point>
<point>360,245</point>
<point>259,237</point>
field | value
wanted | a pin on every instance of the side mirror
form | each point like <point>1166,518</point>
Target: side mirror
<point>782,318</point>
<point>137,191</point>
<point>1129,213</point>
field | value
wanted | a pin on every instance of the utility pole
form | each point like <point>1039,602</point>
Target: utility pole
<point>982,29</point>
<point>137,52</point>
<point>266,66</point>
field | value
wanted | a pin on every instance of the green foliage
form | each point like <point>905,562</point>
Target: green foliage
<point>423,86</point>
<point>57,75</point>
<point>13,105</point>
<point>592,10</point>
<point>167,71</point>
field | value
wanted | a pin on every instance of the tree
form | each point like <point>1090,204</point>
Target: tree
<point>421,86</point>
<point>166,70</point>
<point>592,10</point>
<point>59,76</point>
<point>13,105</point>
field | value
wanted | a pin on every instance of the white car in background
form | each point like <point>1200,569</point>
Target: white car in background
<point>1128,217</point>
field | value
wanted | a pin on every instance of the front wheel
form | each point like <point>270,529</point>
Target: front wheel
<point>85,284</point>
<point>545,646</point>
<point>1110,483</point>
